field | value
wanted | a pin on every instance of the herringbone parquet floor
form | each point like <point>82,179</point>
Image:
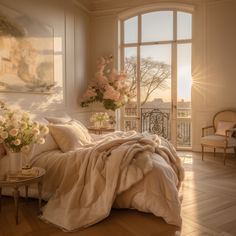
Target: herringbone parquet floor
<point>208,208</point>
<point>209,195</point>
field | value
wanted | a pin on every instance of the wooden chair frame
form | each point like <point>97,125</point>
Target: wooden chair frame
<point>226,136</point>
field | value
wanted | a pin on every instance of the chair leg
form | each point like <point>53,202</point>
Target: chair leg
<point>224,155</point>
<point>214,153</point>
<point>202,152</point>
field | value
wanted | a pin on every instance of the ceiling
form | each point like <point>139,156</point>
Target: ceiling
<point>98,5</point>
<point>101,5</point>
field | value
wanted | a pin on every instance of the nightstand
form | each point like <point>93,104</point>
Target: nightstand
<point>15,182</point>
<point>101,130</point>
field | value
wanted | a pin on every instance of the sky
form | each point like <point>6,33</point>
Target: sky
<point>158,26</point>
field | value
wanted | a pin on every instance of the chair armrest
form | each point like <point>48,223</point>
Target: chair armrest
<point>205,128</point>
<point>228,131</point>
<point>233,129</point>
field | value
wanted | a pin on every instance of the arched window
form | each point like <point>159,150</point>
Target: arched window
<point>155,52</point>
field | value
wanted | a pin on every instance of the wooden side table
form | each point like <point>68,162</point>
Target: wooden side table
<point>19,181</point>
<point>100,130</point>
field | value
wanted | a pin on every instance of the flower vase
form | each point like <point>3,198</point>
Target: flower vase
<point>26,157</point>
<point>14,162</point>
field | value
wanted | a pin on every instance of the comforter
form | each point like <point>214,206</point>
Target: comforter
<point>122,169</point>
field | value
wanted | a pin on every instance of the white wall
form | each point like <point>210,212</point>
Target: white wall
<point>215,81</point>
<point>71,45</point>
<point>214,65</point>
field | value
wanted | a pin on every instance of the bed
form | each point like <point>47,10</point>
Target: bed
<point>87,175</point>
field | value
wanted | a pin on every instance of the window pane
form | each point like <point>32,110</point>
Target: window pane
<point>157,26</point>
<point>155,76</point>
<point>131,125</point>
<point>184,25</point>
<point>184,79</point>
<point>131,30</point>
<point>130,67</point>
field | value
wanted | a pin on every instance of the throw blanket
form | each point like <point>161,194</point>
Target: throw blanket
<point>95,175</point>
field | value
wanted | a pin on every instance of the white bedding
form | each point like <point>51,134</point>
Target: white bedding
<point>147,182</point>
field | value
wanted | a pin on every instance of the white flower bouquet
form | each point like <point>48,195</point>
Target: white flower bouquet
<point>18,131</point>
<point>99,118</point>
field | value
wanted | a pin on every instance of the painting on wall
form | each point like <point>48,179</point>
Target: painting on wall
<point>26,53</point>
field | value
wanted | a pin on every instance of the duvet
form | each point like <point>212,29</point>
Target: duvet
<point>121,169</point>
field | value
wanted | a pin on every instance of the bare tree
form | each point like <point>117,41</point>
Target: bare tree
<point>153,75</point>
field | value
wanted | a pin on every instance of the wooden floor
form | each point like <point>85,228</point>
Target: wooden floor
<point>208,208</point>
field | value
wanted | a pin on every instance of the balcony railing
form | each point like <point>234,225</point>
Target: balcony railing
<point>184,130</point>
<point>158,121</point>
<point>155,121</point>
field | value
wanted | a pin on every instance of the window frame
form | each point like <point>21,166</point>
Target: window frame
<point>139,11</point>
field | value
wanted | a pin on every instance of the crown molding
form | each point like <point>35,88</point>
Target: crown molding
<point>156,6</point>
<point>123,12</point>
<point>81,6</point>
<point>107,12</point>
<point>148,6</point>
<point>214,2</point>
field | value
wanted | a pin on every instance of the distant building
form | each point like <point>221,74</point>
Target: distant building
<point>183,107</point>
<point>6,66</point>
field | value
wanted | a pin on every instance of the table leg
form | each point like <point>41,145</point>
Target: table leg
<point>26,192</point>
<point>16,194</point>
<point>0,199</point>
<point>40,186</point>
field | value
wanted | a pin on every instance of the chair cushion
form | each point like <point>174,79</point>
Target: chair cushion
<point>218,141</point>
<point>222,126</point>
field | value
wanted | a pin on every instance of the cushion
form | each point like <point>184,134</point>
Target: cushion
<point>222,126</point>
<point>58,120</point>
<point>49,145</point>
<point>79,125</point>
<point>68,120</point>
<point>67,136</point>
<point>41,120</point>
<point>217,141</point>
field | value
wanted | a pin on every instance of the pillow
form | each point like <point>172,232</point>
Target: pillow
<point>41,120</point>
<point>58,120</point>
<point>67,136</point>
<point>68,120</point>
<point>87,137</point>
<point>222,126</point>
<point>49,145</point>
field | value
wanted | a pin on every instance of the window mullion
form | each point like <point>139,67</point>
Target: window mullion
<point>174,81</point>
<point>157,42</point>
<point>122,46</point>
<point>122,49</point>
<point>139,72</point>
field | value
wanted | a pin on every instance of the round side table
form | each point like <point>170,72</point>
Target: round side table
<point>21,180</point>
<point>100,130</point>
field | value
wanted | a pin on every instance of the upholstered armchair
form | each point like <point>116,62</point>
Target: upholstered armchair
<point>223,133</point>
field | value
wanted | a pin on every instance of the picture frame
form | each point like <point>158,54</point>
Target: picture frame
<point>26,54</point>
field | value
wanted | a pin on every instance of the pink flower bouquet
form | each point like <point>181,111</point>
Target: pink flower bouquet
<point>108,86</point>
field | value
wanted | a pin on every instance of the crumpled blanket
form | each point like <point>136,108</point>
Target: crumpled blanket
<point>95,174</point>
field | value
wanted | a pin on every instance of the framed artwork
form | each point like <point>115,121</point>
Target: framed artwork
<point>26,53</point>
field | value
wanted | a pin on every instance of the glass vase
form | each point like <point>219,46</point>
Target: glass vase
<point>26,157</point>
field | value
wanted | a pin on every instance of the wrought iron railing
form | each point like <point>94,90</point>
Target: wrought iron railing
<point>158,121</point>
<point>155,121</point>
<point>184,130</point>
